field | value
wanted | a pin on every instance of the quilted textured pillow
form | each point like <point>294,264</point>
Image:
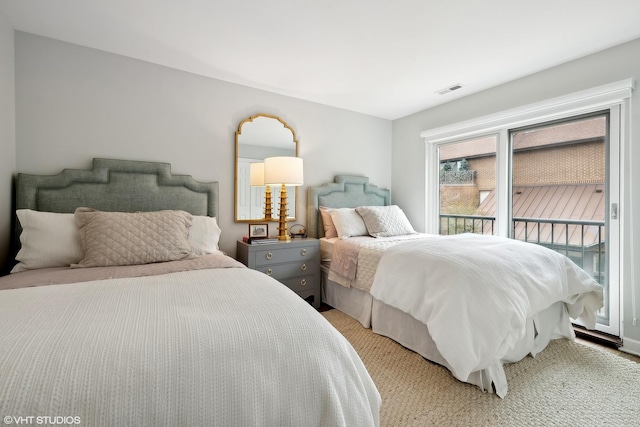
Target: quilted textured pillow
<point>385,221</point>
<point>327,222</point>
<point>130,238</point>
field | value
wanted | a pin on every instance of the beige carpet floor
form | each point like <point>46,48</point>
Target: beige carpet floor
<point>568,384</point>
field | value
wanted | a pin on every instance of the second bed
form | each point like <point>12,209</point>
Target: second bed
<point>424,291</point>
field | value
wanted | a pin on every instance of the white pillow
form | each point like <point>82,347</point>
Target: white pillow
<point>47,240</point>
<point>348,223</point>
<point>385,221</point>
<point>204,235</point>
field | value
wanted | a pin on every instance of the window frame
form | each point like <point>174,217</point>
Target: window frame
<point>583,102</point>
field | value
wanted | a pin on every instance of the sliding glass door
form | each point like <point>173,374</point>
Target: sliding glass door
<point>561,185</point>
<point>559,188</point>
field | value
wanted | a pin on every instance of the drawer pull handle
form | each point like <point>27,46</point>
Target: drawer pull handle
<point>303,267</point>
<point>303,252</point>
<point>268,272</point>
<point>269,255</point>
<point>303,282</point>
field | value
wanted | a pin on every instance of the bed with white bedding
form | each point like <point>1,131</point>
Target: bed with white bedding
<point>467,302</point>
<point>177,333</point>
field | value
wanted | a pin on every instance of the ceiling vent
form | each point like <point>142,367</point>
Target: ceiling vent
<point>449,89</point>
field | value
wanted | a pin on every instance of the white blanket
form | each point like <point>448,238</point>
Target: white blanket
<point>224,347</point>
<point>475,294</point>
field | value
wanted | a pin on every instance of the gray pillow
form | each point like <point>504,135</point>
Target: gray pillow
<point>130,238</point>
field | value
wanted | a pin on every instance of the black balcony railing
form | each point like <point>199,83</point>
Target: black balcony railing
<point>581,241</point>
<point>456,224</point>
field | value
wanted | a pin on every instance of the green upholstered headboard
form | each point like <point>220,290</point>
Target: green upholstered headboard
<point>116,186</point>
<point>346,191</point>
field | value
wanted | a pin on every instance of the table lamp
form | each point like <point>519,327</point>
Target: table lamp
<point>283,171</point>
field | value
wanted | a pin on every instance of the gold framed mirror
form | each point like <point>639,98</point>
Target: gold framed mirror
<point>257,138</point>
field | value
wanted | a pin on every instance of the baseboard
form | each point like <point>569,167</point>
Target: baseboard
<point>630,346</point>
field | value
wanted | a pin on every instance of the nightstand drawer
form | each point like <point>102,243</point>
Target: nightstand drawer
<point>299,284</point>
<point>277,255</point>
<point>283,271</point>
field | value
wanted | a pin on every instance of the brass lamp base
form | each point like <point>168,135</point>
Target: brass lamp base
<point>267,203</point>
<point>283,231</point>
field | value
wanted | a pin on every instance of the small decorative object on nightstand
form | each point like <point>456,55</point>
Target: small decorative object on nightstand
<point>298,230</point>
<point>257,231</point>
<point>295,263</point>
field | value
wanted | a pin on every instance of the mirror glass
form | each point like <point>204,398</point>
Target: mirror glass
<point>257,138</point>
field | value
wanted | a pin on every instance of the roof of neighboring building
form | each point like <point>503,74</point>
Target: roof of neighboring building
<point>584,202</point>
<point>563,133</point>
<point>469,149</point>
<point>558,134</point>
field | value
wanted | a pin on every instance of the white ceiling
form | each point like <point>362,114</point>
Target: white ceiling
<point>386,58</point>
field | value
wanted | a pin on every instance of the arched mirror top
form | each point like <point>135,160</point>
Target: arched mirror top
<point>265,130</point>
<point>258,137</point>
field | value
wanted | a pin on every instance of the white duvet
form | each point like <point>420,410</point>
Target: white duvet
<point>223,347</point>
<point>475,294</point>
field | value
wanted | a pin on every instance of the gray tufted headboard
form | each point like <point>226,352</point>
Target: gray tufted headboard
<point>345,192</point>
<point>117,186</point>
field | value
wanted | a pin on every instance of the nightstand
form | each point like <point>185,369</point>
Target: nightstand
<point>296,264</point>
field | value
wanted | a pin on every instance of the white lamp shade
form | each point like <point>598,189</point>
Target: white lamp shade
<point>256,174</point>
<point>283,170</point>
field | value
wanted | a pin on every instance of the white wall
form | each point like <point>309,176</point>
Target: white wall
<point>7,134</point>
<point>74,103</point>
<point>621,62</point>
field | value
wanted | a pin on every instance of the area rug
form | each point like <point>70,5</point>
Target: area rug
<point>568,384</point>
